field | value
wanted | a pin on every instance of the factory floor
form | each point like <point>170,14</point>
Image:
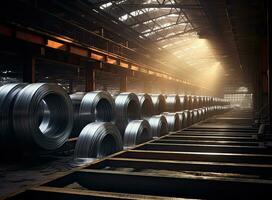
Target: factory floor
<point>223,150</point>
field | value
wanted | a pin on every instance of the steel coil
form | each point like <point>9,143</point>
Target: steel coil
<point>8,95</point>
<point>95,106</point>
<point>182,119</point>
<point>52,129</point>
<point>189,102</point>
<point>76,99</point>
<point>127,108</point>
<point>172,121</point>
<point>195,118</point>
<point>183,102</point>
<point>190,117</point>
<point>137,132</point>
<point>97,140</point>
<point>173,103</point>
<point>187,119</point>
<point>147,108</point>
<point>159,103</point>
<point>159,126</point>
<point>200,114</point>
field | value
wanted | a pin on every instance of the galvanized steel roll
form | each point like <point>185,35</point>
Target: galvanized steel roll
<point>52,129</point>
<point>97,140</point>
<point>172,121</point>
<point>190,102</point>
<point>137,132</point>
<point>159,126</point>
<point>187,120</point>
<point>159,103</point>
<point>95,106</point>
<point>182,119</point>
<point>182,102</point>
<point>190,117</point>
<point>173,103</point>
<point>8,94</point>
<point>76,99</point>
<point>127,108</point>
<point>147,108</point>
<point>195,116</point>
<point>200,114</point>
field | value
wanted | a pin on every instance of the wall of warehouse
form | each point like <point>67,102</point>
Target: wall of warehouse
<point>73,78</point>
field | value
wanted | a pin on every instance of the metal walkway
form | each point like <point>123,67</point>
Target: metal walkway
<point>218,158</point>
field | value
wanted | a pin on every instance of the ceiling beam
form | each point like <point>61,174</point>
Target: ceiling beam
<point>154,5</point>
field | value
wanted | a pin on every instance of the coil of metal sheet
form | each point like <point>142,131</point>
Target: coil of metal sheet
<point>127,108</point>
<point>196,102</point>
<point>173,103</point>
<point>190,117</point>
<point>94,106</point>
<point>76,99</point>
<point>182,119</point>
<point>147,108</point>
<point>195,116</point>
<point>187,120</point>
<point>159,126</point>
<point>172,121</point>
<point>190,102</point>
<point>52,129</point>
<point>159,103</point>
<point>8,95</point>
<point>137,132</point>
<point>97,140</point>
<point>200,114</point>
<point>183,102</point>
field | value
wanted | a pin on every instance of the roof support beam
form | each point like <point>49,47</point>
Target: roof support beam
<point>181,6</point>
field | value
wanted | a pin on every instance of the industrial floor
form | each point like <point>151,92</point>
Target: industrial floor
<point>220,157</point>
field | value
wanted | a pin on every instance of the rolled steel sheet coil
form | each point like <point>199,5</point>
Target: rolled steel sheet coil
<point>147,108</point>
<point>8,94</point>
<point>159,103</point>
<point>172,121</point>
<point>52,129</point>
<point>187,120</point>
<point>97,140</point>
<point>94,106</point>
<point>182,119</point>
<point>195,102</point>
<point>137,132</point>
<point>159,126</point>
<point>190,102</point>
<point>195,116</point>
<point>200,114</point>
<point>182,100</point>
<point>190,117</point>
<point>76,99</point>
<point>173,103</point>
<point>127,108</point>
<point>201,101</point>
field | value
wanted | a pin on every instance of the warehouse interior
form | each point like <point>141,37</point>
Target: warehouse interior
<point>135,99</point>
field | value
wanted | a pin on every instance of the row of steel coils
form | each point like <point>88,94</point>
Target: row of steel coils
<point>44,116</point>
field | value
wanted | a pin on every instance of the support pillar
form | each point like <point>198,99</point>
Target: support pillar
<point>90,79</point>
<point>269,57</point>
<point>123,83</point>
<point>29,70</point>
